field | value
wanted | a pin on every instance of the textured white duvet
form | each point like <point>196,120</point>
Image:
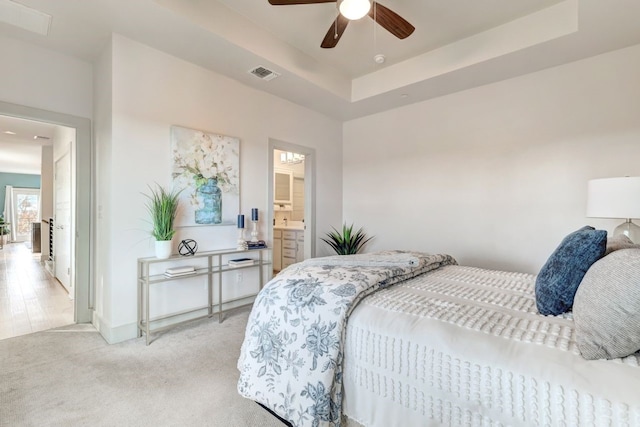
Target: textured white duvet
<point>462,346</point>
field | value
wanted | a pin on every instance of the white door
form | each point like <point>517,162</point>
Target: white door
<point>26,205</point>
<point>62,223</point>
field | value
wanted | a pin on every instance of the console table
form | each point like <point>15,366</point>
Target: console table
<point>217,264</point>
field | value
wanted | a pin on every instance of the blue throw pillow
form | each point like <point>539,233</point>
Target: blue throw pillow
<point>559,278</point>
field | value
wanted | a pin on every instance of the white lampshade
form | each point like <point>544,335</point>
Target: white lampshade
<point>354,9</point>
<point>614,197</point>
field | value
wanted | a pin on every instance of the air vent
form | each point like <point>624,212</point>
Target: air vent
<point>41,137</point>
<point>264,73</point>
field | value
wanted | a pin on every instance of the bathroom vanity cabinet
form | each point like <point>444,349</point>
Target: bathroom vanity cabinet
<point>288,247</point>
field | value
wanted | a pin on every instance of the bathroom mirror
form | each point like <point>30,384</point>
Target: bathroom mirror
<point>283,186</point>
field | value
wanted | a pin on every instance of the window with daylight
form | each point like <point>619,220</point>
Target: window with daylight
<point>26,207</point>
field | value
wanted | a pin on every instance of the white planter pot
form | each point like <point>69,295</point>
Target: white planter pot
<point>163,249</point>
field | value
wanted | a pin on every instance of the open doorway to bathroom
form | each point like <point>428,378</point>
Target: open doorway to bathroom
<point>292,192</point>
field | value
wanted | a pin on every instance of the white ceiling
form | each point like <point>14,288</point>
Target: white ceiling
<point>21,153</point>
<point>437,23</point>
<point>457,44</point>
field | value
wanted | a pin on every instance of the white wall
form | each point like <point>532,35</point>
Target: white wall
<point>495,175</point>
<point>152,91</point>
<point>41,78</point>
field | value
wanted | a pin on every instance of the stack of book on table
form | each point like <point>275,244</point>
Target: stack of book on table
<point>241,261</point>
<point>180,271</point>
<point>260,244</point>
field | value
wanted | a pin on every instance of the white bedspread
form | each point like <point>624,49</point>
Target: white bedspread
<point>291,357</point>
<point>462,346</point>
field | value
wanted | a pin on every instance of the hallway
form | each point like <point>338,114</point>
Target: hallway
<point>31,300</point>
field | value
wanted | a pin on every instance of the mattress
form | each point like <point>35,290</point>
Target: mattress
<point>462,346</point>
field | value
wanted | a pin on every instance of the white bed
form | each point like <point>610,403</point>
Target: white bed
<point>462,346</point>
<point>429,344</point>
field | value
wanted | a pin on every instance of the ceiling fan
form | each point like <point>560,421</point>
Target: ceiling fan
<point>356,9</point>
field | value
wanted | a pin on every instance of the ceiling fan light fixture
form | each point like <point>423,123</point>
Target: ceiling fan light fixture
<point>354,9</point>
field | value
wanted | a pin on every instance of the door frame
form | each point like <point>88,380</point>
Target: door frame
<point>84,211</point>
<point>309,192</point>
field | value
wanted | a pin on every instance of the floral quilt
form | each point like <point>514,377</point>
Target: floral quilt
<point>291,358</point>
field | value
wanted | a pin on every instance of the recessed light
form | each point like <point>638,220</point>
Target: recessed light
<point>8,132</point>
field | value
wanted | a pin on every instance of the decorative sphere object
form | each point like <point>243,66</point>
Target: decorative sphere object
<point>188,247</point>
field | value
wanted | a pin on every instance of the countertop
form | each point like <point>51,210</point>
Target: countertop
<point>294,227</point>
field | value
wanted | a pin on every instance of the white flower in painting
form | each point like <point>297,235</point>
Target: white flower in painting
<point>202,158</point>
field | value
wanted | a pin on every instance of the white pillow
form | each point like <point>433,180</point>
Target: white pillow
<point>606,308</point>
<point>618,242</point>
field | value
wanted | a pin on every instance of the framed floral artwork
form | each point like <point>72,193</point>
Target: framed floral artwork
<point>206,169</point>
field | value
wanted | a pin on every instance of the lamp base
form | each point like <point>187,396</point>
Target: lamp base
<point>254,231</point>
<point>629,229</point>
<point>242,244</point>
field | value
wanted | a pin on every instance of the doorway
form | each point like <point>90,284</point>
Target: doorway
<point>291,194</point>
<point>80,240</point>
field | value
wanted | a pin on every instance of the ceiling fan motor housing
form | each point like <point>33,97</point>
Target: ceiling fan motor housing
<point>354,9</point>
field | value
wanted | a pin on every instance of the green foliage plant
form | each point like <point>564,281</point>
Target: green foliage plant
<point>163,207</point>
<point>4,230</point>
<point>346,242</point>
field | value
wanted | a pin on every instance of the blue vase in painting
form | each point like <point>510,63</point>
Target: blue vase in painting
<point>211,198</point>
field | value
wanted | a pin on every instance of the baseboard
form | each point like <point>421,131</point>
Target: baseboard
<point>48,266</point>
<point>129,331</point>
<point>114,335</point>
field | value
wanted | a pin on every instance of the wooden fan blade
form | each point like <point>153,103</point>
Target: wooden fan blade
<point>335,32</point>
<point>390,21</point>
<point>288,2</point>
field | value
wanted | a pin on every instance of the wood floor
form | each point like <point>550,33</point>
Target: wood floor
<point>31,300</point>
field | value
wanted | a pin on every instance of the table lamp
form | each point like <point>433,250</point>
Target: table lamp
<point>616,198</point>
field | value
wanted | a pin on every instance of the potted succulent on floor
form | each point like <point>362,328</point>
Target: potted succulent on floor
<point>346,242</point>
<point>4,230</point>
<point>163,207</point>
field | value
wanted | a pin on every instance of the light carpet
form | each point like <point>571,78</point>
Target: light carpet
<point>71,377</point>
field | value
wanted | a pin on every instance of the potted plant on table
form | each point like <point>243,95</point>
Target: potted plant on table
<point>346,242</point>
<point>163,207</point>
